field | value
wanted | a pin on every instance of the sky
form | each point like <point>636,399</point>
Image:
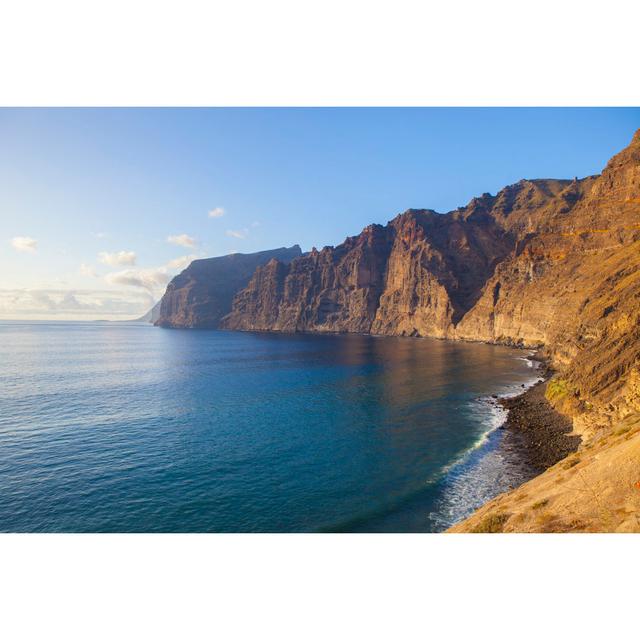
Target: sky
<point>99,208</point>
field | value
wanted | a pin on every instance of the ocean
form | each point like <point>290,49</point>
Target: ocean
<point>124,427</point>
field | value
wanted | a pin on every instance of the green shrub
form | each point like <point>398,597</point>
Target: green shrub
<point>556,388</point>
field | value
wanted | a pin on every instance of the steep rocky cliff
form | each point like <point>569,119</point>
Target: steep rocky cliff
<point>202,294</point>
<point>583,271</point>
<point>550,263</point>
<point>574,286</point>
<point>415,276</point>
<point>329,290</point>
<point>422,274</point>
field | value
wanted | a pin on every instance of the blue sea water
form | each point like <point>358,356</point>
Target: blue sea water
<point>116,427</point>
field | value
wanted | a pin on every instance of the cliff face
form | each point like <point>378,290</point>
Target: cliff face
<point>574,286</point>
<point>436,269</point>
<point>543,262</point>
<point>583,271</point>
<point>202,294</point>
<point>329,290</point>
<point>420,275</point>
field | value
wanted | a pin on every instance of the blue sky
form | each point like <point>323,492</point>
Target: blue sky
<point>99,207</point>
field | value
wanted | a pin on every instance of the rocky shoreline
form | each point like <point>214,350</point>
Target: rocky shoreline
<point>534,428</point>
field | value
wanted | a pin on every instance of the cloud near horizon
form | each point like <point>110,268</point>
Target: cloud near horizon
<point>182,240</point>
<point>24,244</point>
<point>218,212</point>
<point>118,259</point>
<point>76,304</point>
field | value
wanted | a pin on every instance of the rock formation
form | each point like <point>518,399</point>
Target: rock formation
<point>543,262</point>
<point>202,294</point>
<point>420,275</point>
<point>329,290</point>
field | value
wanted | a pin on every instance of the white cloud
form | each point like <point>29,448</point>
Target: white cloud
<point>24,244</point>
<point>218,212</point>
<point>149,279</point>
<point>88,271</point>
<point>118,259</point>
<point>100,234</point>
<point>181,263</point>
<point>255,224</point>
<point>183,240</point>
<point>85,304</point>
<point>241,234</point>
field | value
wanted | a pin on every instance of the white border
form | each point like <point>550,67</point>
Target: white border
<point>318,586</point>
<point>335,52</point>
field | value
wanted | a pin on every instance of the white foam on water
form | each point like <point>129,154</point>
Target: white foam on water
<point>476,476</point>
<point>493,414</point>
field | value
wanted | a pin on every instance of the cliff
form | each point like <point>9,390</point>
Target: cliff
<point>589,284</point>
<point>544,263</point>
<point>202,294</point>
<point>329,290</point>
<point>423,274</point>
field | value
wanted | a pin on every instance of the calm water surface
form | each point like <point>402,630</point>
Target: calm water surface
<point>126,427</point>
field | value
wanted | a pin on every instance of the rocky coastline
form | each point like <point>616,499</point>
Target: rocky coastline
<point>534,428</point>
